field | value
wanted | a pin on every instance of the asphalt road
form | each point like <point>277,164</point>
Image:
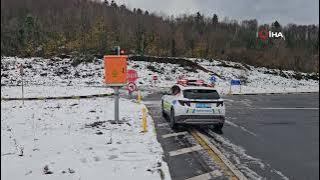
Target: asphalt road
<point>265,136</point>
<point>280,130</point>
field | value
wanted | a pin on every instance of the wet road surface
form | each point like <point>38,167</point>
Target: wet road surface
<point>265,136</point>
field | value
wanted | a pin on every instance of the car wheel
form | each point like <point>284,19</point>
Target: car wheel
<point>162,110</point>
<point>218,126</point>
<point>173,124</point>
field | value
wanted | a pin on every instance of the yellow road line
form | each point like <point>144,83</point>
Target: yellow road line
<point>227,171</point>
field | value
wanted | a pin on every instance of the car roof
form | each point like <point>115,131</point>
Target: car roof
<point>193,87</point>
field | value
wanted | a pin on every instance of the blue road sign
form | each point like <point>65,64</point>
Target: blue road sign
<point>213,79</point>
<point>235,82</point>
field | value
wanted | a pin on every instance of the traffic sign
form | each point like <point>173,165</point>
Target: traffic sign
<point>154,78</point>
<point>115,73</point>
<point>132,75</point>
<point>132,87</point>
<point>213,78</point>
<point>199,82</point>
<point>235,82</point>
<point>115,68</point>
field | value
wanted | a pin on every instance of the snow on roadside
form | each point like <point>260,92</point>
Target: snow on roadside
<point>59,72</point>
<point>47,78</point>
<point>256,80</point>
<point>51,91</point>
<point>74,139</point>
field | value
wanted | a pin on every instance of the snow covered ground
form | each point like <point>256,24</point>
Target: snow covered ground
<point>46,77</point>
<point>256,80</point>
<point>74,139</point>
<point>52,91</point>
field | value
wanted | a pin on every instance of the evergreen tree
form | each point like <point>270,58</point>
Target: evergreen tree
<point>215,19</point>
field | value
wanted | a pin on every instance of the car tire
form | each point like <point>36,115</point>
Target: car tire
<point>218,126</point>
<point>162,111</point>
<point>173,124</point>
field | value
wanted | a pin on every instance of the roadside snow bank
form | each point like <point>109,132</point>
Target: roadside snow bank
<point>74,139</point>
<point>254,80</point>
<point>41,72</point>
<point>51,91</point>
<point>258,80</point>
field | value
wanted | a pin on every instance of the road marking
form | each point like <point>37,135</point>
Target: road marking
<point>162,124</point>
<point>175,134</point>
<point>207,176</point>
<point>230,100</point>
<point>185,150</point>
<point>156,103</point>
<point>241,127</point>
<point>297,108</point>
<point>225,165</point>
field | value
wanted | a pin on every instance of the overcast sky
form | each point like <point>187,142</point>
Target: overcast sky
<point>265,11</point>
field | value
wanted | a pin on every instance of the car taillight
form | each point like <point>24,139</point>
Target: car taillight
<point>183,103</point>
<point>219,104</point>
<point>182,82</point>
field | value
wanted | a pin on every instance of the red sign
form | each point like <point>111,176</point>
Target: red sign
<point>182,82</point>
<point>263,34</point>
<point>132,87</point>
<point>199,82</point>
<point>132,75</point>
<point>154,78</point>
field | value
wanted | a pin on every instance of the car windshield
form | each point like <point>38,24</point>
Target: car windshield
<point>201,94</point>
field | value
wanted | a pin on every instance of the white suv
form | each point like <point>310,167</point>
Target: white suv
<point>193,102</point>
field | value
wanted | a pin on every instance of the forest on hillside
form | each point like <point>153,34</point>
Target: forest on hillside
<point>48,28</point>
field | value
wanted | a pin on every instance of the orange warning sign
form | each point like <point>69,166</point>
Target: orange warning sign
<point>115,70</point>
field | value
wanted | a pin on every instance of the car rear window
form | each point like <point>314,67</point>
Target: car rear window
<point>201,94</point>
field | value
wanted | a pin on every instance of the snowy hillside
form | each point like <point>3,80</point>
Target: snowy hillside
<point>48,74</point>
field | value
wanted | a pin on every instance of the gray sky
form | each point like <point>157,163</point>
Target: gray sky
<point>265,11</point>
